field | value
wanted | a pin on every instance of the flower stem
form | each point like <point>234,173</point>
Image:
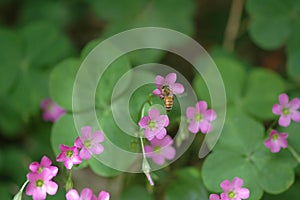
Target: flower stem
<point>69,183</point>
<point>294,153</point>
<point>271,126</point>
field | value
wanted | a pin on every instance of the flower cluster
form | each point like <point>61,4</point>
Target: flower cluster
<point>51,111</point>
<point>84,147</point>
<point>40,179</point>
<point>232,190</point>
<point>86,194</point>
<point>287,110</point>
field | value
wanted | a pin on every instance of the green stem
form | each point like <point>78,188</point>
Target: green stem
<point>271,126</point>
<point>294,153</point>
<point>69,183</point>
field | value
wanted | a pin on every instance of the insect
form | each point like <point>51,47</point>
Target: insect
<point>167,96</point>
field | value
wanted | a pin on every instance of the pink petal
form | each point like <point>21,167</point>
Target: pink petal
<point>78,143</point>
<point>51,187</point>
<point>158,159</point>
<point>190,112</point>
<point>39,194</point>
<point>46,161</point>
<point>295,103</point>
<point>295,116</point>
<point>214,197</point>
<point>86,132</point>
<point>284,120</point>
<point>63,147</point>
<point>103,195</point>
<point>168,152</point>
<point>166,120</point>
<point>161,134</point>
<point>237,182</point>
<point>282,140</point>
<point>72,195</point>
<point>76,160</point>
<point>171,78</point>
<point>98,136</point>
<point>149,134</point>
<point>97,149</point>
<point>34,167</point>
<point>68,164</point>
<point>85,154</point>
<point>86,194</point>
<point>143,123</point>
<point>162,121</point>
<point>157,92</point>
<point>194,127</point>
<point>148,149</point>
<point>166,141</point>
<point>54,170</point>
<point>276,109</point>
<point>201,106</point>
<point>177,88</point>
<point>210,115</point>
<point>30,188</point>
<point>205,126</point>
<point>283,99</point>
<point>153,113</point>
<point>225,185</point>
<point>244,193</point>
<point>159,80</point>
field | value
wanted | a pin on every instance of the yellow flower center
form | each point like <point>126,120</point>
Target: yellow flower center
<point>39,183</point>
<point>87,144</point>
<point>69,154</point>
<point>40,169</point>
<point>152,124</point>
<point>275,136</point>
<point>198,117</point>
<point>286,111</point>
<point>231,194</point>
<point>157,149</point>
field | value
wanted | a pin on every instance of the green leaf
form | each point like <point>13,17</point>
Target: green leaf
<point>101,169</point>
<point>292,193</point>
<point>294,137</point>
<point>63,132</point>
<point>187,185</point>
<point>136,192</point>
<point>293,52</point>
<point>263,88</point>
<point>62,80</point>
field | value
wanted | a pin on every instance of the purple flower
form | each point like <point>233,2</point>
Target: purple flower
<point>170,80</point>
<point>154,124</point>
<point>45,164</point>
<point>276,141</point>
<point>234,190</point>
<point>160,150</point>
<point>103,195</point>
<point>200,118</point>
<point>214,197</point>
<point>86,194</point>
<point>68,155</point>
<point>89,142</point>
<point>51,111</point>
<point>287,110</point>
<point>40,184</point>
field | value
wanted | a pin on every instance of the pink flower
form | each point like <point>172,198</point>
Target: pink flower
<point>287,110</point>
<point>214,197</point>
<point>200,118</point>
<point>160,150</point>
<point>68,155</point>
<point>276,141</point>
<point>169,81</point>
<point>86,194</point>
<point>51,111</point>
<point>234,190</point>
<point>89,143</point>
<point>154,124</point>
<point>103,195</point>
<point>40,184</point>
<point>45,163</point>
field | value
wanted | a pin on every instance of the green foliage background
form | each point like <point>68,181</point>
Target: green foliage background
<point>42,44</point>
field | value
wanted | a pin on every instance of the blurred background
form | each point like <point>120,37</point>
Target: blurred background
<point>35,36</point>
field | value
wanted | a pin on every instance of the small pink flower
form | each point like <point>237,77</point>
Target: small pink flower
<point>234,190</point>
<point>276,141</point>
<point>214,197</point>
<point>103,195</point>
<point>45,164</point>
<point>287,110</point>
<point>51,111</point>
<point>89,142</point>
<point>160,150</point>
<point>68,155</point>
<point>40,184</point>
<point>86,194</point>
<point>200,118</point>
<point>170,80</point>
<point>154,124</point>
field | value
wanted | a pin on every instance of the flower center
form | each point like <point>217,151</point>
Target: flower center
<point>49,107</point>
<point>40,169</point>
<point>231,194</point>
<point>286,111</point>
<point>88,144</point>
<point>69,153</point>
<point>198,117</point>
<point>275,136</point>
<point>152,124</point>
<point>39,183</point>
<point>157,149</point>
